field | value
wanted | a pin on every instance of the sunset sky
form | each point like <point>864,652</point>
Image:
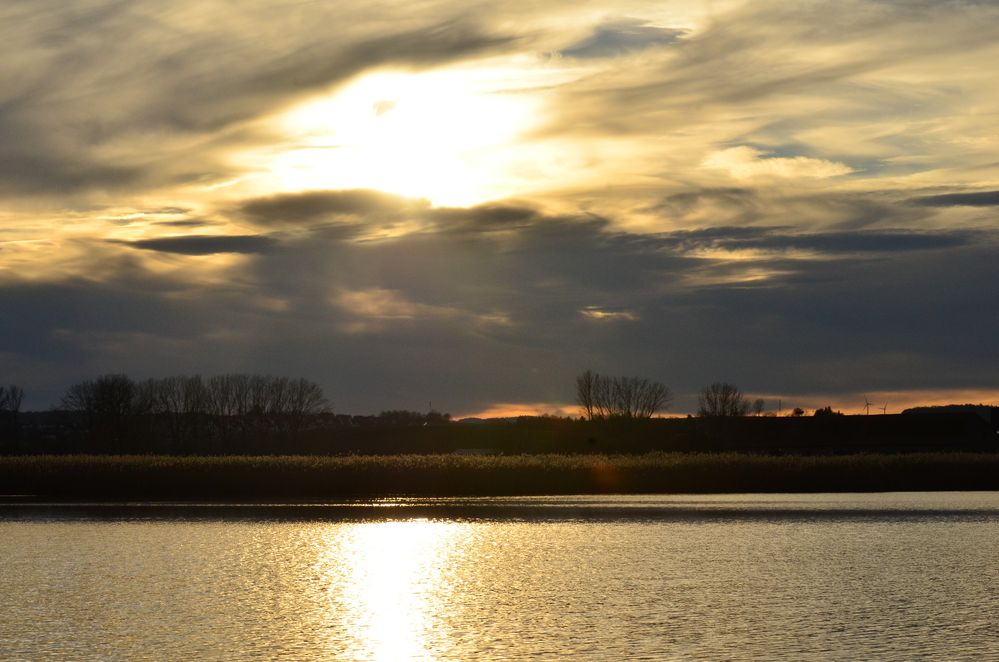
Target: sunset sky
<point>470,203</point>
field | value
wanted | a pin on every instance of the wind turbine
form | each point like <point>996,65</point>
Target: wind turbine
<point>884,410</point>
<point>867,405</point>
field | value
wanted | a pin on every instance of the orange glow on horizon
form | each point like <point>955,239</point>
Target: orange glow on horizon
<point>514,409</point>
<point>897,402</point>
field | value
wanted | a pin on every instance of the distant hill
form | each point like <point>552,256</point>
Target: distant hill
<point>987,413</point>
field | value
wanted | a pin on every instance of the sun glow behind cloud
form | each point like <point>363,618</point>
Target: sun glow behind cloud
<point>450,136</point>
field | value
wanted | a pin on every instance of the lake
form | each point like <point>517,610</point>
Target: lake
<point>798,577</point>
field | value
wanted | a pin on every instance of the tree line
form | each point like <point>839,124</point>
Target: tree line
<point>190,407</point>
<point>260,414</point>
<point>603,397</point>
<point>188,413</point>
<point>181,411</point>
<point>184,414</point>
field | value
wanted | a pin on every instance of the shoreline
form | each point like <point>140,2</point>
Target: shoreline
<point>319,479</point>
<point>623,508</point>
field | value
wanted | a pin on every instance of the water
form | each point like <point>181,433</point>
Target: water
<point>838,577</point>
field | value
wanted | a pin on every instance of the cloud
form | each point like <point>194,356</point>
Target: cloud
<point>804,209</point>
<point>105,96</point>
<point>185,223</point>
<point>366,209</point>
<point>869,90</point>
<point>204,244</point>
<point>828,244</point>
<point>487,217</point>
<point>468,315</point>
<point>316,206</point>
<point>599,315</point>
<point>622,36</point>
<point>747,163</point>
<point>976,199</point>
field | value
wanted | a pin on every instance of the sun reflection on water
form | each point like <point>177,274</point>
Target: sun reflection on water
<point>388,587</point>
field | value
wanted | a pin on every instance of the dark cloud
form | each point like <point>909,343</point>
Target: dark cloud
<point>764,206</point>
<point>623,36</point>
<point>135,321</point>
<point>315,206</point>
<point>366,207</point>
<point>862,242</point>
<point>978,199</point>
<point>205,244</point>
<point>469,318</point>
<point>827,243</point>
<point>49,170</point>
<point>484,218</point>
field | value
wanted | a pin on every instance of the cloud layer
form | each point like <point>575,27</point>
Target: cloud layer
<point>479,304</point>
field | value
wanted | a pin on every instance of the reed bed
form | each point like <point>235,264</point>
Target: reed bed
<point>315,478</point>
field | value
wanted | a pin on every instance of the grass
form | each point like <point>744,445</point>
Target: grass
<point>261,478</point>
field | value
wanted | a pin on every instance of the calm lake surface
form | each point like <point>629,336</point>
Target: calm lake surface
<point>839,577</point>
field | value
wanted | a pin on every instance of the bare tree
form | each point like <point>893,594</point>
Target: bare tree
<point>109,395</point>
<point>178,405</point>
<point>585,392</point>
<point>620,397</point>
<point>223,400</point>
<point>603,396</point>
<point>188,411</point>
<point>11,398</point>
<point>106,407</point>
<point>305,399</point>
<point>721,399</point>
<point>758,406</point>
<point>260,403</point>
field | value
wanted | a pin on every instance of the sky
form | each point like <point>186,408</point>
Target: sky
<point>466,204</point>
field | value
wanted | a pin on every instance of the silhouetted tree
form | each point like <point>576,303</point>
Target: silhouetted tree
<point>304,400</point>
<point>261,403</point>
<point>797,411</point>
<point>586,386</point>
<point>758,406</point>
<point>11,398</point>
<point>105,407</point>
<point>179,412</point>
<point>620,397</point>
<point>179,405</point>
<point>721,399</point>
<point>827,411</point>
<point>435,417</point>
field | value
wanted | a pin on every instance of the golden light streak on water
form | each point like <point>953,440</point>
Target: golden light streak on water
<point>388,581</point>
